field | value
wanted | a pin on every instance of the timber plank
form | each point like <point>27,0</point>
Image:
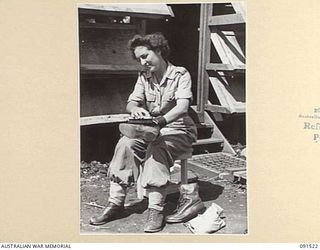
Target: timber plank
<point>226,19</point>
<point>239,8</point>
<point>235,169</point>
<point>103,119</point>
<point>108,26</point>
<point>239,108</point>
<point>217,109</point>
<point>154,11</point>
<point>204,58</point>
<point>227,47</point>
<point>207,141</point>
<point>107,68</point>
<point>225,67</point>
<point>225,98</point>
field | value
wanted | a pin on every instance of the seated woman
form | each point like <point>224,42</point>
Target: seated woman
<point>162,91</point>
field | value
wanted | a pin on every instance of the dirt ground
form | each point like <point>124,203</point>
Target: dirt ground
<point>94,184</point>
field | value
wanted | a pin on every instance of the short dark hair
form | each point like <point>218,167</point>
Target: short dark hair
<point>154,41</point>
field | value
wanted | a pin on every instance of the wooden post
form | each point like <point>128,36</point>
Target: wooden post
<point>204,58</point>
<point>184,171</point>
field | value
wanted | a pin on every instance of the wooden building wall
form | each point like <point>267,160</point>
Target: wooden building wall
<point>103,92</point>
<point>108,74</point>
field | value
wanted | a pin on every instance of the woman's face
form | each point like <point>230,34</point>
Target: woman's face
<point>150,59</point>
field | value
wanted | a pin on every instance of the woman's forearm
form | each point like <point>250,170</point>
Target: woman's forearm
<point>179,110</point>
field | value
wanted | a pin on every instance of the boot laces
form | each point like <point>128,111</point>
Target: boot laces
<point>152,215</point>
<point>182,201</point>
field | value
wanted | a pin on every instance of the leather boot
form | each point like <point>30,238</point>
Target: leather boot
<point>189,204</point>
<point>112,211</point>
<point>139,131</point>
<point>154,221</point>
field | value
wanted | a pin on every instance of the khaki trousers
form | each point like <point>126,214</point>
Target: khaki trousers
<point>133,157</point>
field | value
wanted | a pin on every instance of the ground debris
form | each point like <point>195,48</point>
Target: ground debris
<point>93,204</point>
<point>93,168</point>
<point>94,186</point>
<point>240,150</point>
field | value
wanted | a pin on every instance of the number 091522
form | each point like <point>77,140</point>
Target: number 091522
<point>309,246</point>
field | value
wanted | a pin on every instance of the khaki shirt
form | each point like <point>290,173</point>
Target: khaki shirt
<point>158,99</point>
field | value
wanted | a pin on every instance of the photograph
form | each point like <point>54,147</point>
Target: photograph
<point>162,105</point>
<point>152,123</point>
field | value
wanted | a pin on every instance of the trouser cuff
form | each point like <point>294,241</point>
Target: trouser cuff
<point>156,207</point>
<point>117,193</point>
<point>157,198</point>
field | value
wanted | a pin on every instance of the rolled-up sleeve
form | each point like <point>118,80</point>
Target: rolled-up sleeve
<point>138,94</point>
<point>184,87</point>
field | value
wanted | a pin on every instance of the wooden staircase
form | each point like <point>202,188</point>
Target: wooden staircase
<point>210,138</point>
<point>221,86</point>
<point>222,59</point>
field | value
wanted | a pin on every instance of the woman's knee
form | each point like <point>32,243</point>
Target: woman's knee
<point>126,142</point>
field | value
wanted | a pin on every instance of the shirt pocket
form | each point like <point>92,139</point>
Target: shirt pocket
<point>168,96</point>
<point>151,97</point>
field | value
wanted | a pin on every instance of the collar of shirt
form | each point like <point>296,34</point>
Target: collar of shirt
<point>169,74</point>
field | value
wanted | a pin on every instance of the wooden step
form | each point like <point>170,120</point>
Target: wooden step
<point>207,141</point>
<point>241,68</point>
<point>204,130</point>
<point>208,145</point>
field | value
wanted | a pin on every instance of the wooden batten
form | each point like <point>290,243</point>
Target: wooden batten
<point>204,58</point>
<point>110,69</point>
<point>108,26</point>
<point>225,98</point>
<point>225,67</point>
<point>226,20</point>
<point>216,108</point>
<point>151,11</point>
<point>227,47</point>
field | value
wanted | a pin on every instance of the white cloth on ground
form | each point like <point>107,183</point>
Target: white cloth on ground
<point>208,222</point>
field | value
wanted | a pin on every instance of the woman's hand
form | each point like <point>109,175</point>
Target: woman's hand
<point>138,112</point>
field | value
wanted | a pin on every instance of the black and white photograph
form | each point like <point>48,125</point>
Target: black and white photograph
<point>152,123</point>
<point>162,104</point>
